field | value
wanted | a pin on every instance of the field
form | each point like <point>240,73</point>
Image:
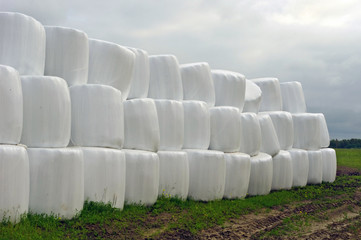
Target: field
<point>314,212</point>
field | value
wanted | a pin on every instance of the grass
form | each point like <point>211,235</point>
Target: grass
<point>99,221</point>
<point>349,158</point>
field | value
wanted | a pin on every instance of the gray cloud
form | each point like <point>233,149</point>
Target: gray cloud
<point>312,41</point>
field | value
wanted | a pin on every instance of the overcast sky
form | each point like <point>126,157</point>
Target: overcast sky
<point>315,42</point>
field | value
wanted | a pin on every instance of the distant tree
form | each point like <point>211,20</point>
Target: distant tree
<point>345,143</point>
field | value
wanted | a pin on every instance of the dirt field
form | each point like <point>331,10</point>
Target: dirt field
<point>333,218</point>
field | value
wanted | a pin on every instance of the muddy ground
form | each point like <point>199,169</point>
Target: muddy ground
<point>336,218</point>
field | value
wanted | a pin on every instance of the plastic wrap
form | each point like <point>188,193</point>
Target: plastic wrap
<point>269,143</point>
<point>324,135</point>
<point>260,181</point>
<point>230,88</point>
<point>14,182</point>
<point>67,54</point>
<point>250,134</point>
<point>56,181</point>
<point>111,64</point>
<point>141,125</point>
<point>225,129</point>
<point>271,94</point>
<point>283,124</point>
<point>142,177</point>
<point>104,176</point>
<point>329,164</point>
<point>47,112</point>
<point>238,170</point>
<point>282,171</point>
<point>197,83</point>
<point>22,43</point>
<point>315,167</point>
<point>165,79</point>
<point>197,125</point>
<point>11,105</point>
<point>140,81</point>
<point>207,174</point>
<point>293,99</point>
<point>97,116</point>
<point>300,165</point>
<point>253,97</point>
<point>171,124</point>
<point>173,174</point>
<point>306,128</point>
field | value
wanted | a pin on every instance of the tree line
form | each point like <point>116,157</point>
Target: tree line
<point>345,143</point>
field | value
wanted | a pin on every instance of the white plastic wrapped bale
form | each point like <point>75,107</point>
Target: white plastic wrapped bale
<point>250,134</point>
<point>141,125</point>
<point>207,174</point>
<point>111,64</point>
<point>173,174</point>
<point>165,80</point>
<point>142,177</point>
<point>238,170</point>
<point>171,124</point>
<point>253,97</point>
<point>22,43</point>
<point>230,88</point>
<point>67,54</point>
<point>56,181</point>
<point>47,112</point>
<point>329,164</point>
<point>140,81</point>
<point>225,129</point>
<point>315,167</point>
<point>14,182</point>
<point>283,124</point>
<point>260,181</point>
<point>306,128</point>
<point>269,143</point>
<point>11,105</point>
<point>324,135</point>
<point>97,116</point>
<point>282,171</point>
<point>271,94</point>
<point>293,99</point>
<point>197,83</point>
<point>104,175</point>
<point>300,165</point>
<point>197,125</point>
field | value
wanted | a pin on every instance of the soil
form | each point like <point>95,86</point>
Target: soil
<point>348,171</point>
<point>338,218</point>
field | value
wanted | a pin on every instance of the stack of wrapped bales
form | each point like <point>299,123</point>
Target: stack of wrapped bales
<point>277,132</point>
<point>226,130</point>
<point>207,168</point>
<point>187,131</point>
<point>141,136</point>
<point>98,121</point>
<point>56,172</point>
<point>14,162</point>
<point>166,91</point>
<point>310,133</point>
<point>254,129</point>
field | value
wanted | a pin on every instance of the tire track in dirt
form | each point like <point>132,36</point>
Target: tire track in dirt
<point>252,226</point>
<point>338,230</point>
